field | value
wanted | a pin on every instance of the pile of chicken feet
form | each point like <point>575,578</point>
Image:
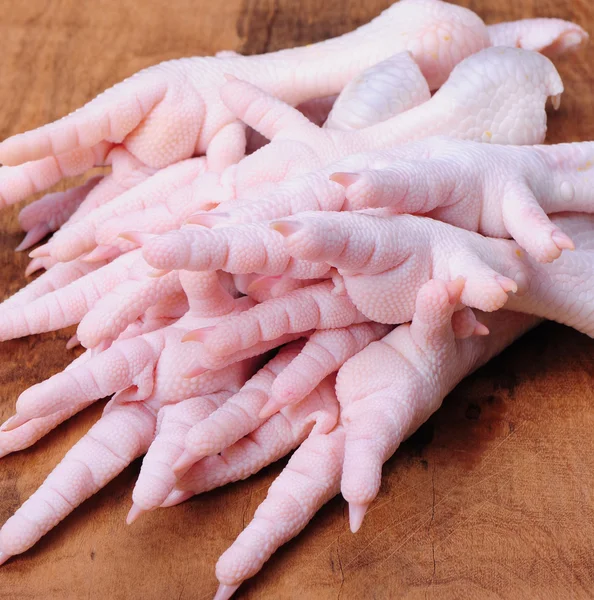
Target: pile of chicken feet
<point>249,282</point>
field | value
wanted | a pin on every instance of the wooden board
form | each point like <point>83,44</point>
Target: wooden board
<point>492,498</point>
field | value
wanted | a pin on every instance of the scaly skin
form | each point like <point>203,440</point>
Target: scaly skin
<point>82,230</point>
<point>127,434</point>
<point>389,389</point>
<point>287,379</point>
<point>68,293</point>
<point>491,80</point>
<point>226,430</point>
<point>173,111</point>
<point>389,88</point>
<point>384,260</point>
<point>361,103</point>
<point>61,275</point>
<point>498,191</point>
<point>411,372</point>
<point>122,434</point>
<point>551,37</point>
<point>127,430</point>
<point>148,367</point>
<point>133,294</point>
<point>497,95</point>
<point>146,374</point>
<point>51,212</point>
<point>126,301</point>
<point>312,307</point>
<point>63,306</point>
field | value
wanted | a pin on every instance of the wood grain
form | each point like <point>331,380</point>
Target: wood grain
<point>492,498</point>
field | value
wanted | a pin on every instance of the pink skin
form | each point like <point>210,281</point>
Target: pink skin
<point>51,212</point>
<point>65,305</point>
<point>389,88</point>
<point>173,111</point>
<point>551,37</point>
<point>156,478</point>
<point>122,434</point>
<point>390,388</point>
<point>128,301</point>
<point>61,275</point>
<point>497,191</point>
<point>514,114</point>
<point>237,417</point>
<point>561,291</point>
<point>312,307</point>
<point>310,479</point>
<point>126,431</point>
<point>66,293</point>
<point>146,373</point>
<point>251,406</point>
<point>412,360</point>
<point>324,353</point>
<point>262,288</point>
<point>394,255</point>
<point>171,212</point>
<point>361,103</point>
<point>104,298</point>
<point>150,366</point>
<point>247,557</point>
<point>146,367</point>
<point>385,259</point>
<point>246,442</point>
<point>412,371</point>
<point>80,233</point>
<point>42,263</point>
<point>245,249</point>
<point>299,146</point>
<point>391,255</point>
<point>27,423</point>
<point>269,441</point>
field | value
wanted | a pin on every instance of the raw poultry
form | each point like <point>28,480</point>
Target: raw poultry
<point>298,246</point>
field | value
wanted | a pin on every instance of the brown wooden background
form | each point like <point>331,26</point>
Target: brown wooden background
<point>492,498</point>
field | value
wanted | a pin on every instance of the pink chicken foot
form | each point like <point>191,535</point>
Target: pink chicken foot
<point>291,376</point>
<point>229,430</point>
<point>412,374</point>
<point>361,102</point>
<point>104,297</point>
<point>144,367</point>
<point>299,146</point>
<point>146,373</point>
<point>172,111</point>
<point>499,191</point>
<point>551,36</point>
<point>126,431</point>
<point>395,255</point>
<point>390,388</point>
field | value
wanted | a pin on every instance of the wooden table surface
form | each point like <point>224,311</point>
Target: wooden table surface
<point>492,498</point>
